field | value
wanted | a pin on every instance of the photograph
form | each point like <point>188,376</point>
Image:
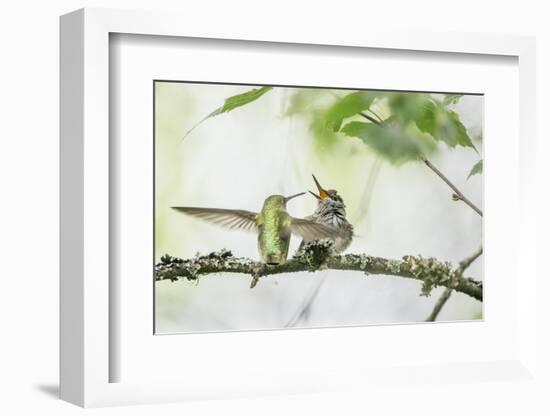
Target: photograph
<point>280,207</point>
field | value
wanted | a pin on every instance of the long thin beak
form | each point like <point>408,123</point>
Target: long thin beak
<point>315,195</point>
<point>322,193</point>
<point>288,198</point>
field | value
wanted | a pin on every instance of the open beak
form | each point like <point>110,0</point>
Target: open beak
<point>315,195</point>
<point>322,193</point>
<point>288,198</point>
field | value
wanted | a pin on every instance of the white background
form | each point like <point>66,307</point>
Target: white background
<point>305,351</point>
<point>29,225</point>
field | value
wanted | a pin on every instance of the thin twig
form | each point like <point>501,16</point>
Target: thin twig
<point>439,304</point>
<point>462,266</point>
<point>305,307</point>
<point>376,115</point>
<point>371,119</point>
<point>365,201</point>
<point>457,194</point>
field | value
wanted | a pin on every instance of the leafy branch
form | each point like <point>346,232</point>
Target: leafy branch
<point>401,144</point>
<point>316,256</point>
<point>391,137</point>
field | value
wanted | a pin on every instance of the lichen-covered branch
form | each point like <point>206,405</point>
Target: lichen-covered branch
<point>316,256</point>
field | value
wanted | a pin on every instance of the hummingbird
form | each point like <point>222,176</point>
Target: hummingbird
<point>273,224</point>
<point>331,211</point>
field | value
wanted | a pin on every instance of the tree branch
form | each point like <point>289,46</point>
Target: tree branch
<point>458,195</point>
<point>316,256</point>
<point>305,307</point>
<point>462,266</point>
<point>439,304</point>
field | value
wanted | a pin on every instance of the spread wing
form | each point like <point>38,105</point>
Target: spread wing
<point>230,218</point>
<point>310,230</point>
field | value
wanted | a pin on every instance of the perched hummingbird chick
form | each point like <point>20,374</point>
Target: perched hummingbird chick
<point>331,211</point>
<point>273,225</point>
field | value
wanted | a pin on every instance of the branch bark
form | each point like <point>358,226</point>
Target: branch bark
<point>439,304</point>
<point>458,195</point>
<point>316,256</point>
<point>462,266</point>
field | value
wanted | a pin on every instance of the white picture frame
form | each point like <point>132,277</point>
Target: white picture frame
<point>86,356</point>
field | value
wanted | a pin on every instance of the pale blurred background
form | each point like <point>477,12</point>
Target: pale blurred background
<point>237,159</point>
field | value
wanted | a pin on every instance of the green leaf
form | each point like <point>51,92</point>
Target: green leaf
<point>390,141</point>
<point>325,139</point>
<point>242,99</point>
<point>232,103</point>
<point>427,120</point>
<point>477,169</point>
<point>409,106</point>
<point>431,116</point>
<point>348,106</point>
<point>443,124</point>
<point>458,129</point>
<point>452,99</point>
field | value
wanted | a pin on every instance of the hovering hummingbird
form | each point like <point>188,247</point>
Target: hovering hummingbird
<point>273,224</point>
<point>331,211</point>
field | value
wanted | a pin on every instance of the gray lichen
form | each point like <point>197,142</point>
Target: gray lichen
<point>316,256</point>
<point>394,266</point>
<point>314,253</point>
<point>432,272</point>
<point>174,269</point>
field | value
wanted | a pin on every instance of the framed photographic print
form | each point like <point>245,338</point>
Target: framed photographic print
<point>298,199</point>
<point>258,145</point>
